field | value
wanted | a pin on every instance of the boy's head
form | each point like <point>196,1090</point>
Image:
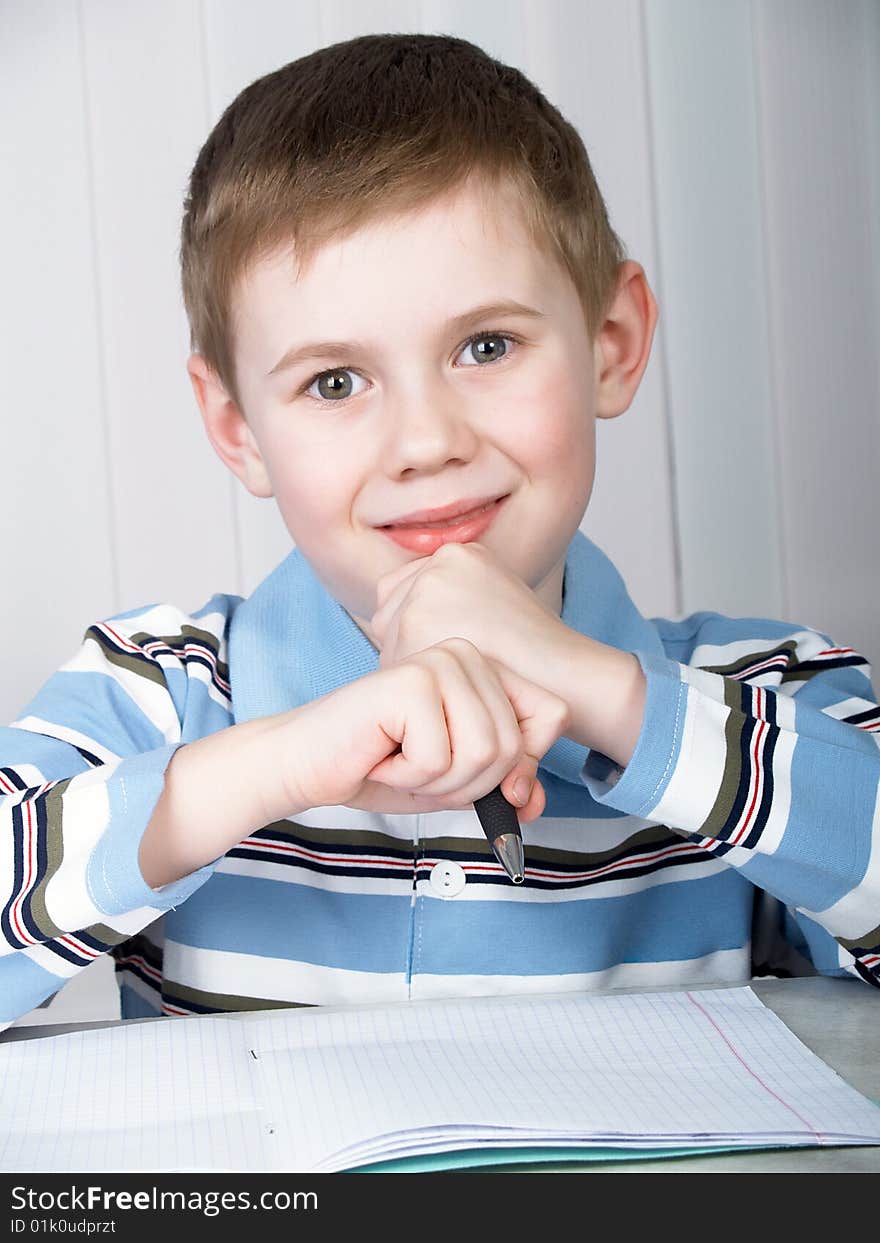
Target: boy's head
<point>377,192</point>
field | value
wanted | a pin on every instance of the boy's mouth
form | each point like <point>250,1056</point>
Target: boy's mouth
<point>425,536</point>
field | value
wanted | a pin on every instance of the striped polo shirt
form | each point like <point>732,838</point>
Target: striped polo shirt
<point>742,838</point>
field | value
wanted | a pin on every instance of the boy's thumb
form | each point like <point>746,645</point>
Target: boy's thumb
<point>522,788</point>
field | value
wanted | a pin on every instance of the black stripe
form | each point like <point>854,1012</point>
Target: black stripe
<point>765,759</point>
<point>195,658</point>
<point>128,968</point>
<point>423,869</point>
<point>106,641</point>
<point>819,666</point>
<point>77,958</point>
<point>13,778</point>
<point>870,974</point>
<point>271,834</point>
<point>42,819</point>
<point>10,936</point>
<point>87,756</point>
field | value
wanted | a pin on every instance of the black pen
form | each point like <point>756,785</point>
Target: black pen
<point>501,826</point>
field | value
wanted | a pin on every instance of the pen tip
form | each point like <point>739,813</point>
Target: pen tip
<point>508,849</point>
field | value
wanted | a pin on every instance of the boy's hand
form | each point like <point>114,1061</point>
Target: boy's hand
<point>463,590</point>
<point>441,728</point>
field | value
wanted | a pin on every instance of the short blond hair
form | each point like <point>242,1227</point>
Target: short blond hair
<point>379,125</point>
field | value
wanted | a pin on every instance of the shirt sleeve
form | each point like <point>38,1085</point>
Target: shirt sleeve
<point>770,760</point>
<point>81,771</point>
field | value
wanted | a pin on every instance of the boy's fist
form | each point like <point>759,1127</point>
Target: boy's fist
<point>434,732</point>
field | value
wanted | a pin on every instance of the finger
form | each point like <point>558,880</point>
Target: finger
<point>542,716</point>
<point>441,725</point>
<point>510,763</point>
<point>470,723</point>
<point>390,582</point>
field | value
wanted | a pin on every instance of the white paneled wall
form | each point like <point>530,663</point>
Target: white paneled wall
<point>738,147</point>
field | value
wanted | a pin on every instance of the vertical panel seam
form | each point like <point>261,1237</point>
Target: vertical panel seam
<point>665,376</point>
<point>103,387</point>
<point>772,369</point>
<point>231,482</point>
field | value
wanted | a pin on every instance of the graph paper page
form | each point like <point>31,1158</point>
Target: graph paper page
<point>324,1089</point>
<point>349,1086</point>
<point>177,1094</point>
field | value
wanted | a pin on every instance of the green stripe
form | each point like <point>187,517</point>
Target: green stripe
<point>722,809</point>
<point>144,666</point>
<point>188,634</point>
<point>173,991</point>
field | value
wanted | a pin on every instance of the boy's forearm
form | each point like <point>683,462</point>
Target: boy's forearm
<point>605,690</point>
<point>217,791</point>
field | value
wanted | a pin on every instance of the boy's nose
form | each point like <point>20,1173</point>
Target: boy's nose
<point>427,430</point>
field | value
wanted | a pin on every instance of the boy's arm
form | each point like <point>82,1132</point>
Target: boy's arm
<point>773,763</point>
<point>80,773</point>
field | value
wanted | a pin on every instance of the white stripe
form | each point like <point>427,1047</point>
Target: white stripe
<point>696,779</point>
<point>807,644</point>
<point>152,698</point>
<point>724,966</point>
<point>64,734</point>
<point>291,874</point>
<point>278,979</point>
<point>853,707</point>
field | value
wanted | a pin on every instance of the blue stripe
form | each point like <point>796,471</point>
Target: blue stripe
<point>25,985</point>
<point>94,704</point>
<point>550,938</point>
<point>356,932</point>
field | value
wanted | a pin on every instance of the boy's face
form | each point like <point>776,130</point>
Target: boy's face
<point>358,438</point>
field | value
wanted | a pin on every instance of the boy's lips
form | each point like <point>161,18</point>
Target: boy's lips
<point>452,524</point>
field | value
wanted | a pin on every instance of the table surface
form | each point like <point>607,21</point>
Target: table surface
<point>839,1019</point>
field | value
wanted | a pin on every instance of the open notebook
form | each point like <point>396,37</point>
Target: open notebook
<point>437,1083</point>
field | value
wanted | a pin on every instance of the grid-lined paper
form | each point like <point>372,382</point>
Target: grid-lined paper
<point>176,1094</point>
<point>638,1070</point>
<point>331,1089</point>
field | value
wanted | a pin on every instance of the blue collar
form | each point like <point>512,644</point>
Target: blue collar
<point>291,641</point>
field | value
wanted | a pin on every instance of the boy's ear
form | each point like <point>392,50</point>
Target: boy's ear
<point>623,343</point>
<point>227,428</point>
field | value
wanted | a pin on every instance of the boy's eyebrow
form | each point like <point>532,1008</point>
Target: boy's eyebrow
<point>458,323</point>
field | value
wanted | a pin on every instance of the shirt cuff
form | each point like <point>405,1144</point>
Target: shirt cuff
<point>638,788</point>
<point>116,884</point>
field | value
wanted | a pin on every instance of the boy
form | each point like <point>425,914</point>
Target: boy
<point>407,309</point>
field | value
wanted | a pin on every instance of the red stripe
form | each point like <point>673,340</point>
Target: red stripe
<point>763,664</point>
<point>142,963</point>
<point>469,868</point>
<point>131,647</point>
<point>85,950</point>
<point>367,860</point>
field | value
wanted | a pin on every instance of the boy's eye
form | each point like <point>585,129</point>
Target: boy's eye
<point>485,347</point>
<point>335,385</point>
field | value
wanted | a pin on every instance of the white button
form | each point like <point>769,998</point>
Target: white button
<point>447,879</point>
